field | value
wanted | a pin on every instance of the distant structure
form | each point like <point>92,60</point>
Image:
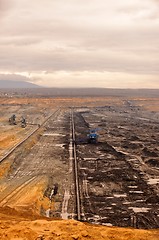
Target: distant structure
<point>12,120</point>
<point>23,122</point>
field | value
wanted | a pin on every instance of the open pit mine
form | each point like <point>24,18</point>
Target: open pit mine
<point>95,160</point>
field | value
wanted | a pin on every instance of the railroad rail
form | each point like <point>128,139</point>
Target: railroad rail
<point>26,138</point>
<point>77,191</point>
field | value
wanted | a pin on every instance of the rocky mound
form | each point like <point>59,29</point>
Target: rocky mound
<point>17,226</point>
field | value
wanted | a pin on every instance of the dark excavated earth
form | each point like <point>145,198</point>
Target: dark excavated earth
<point>114,173</point>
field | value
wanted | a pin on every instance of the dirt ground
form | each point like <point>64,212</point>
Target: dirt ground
<point>28,177</point>
<point>16,227</point>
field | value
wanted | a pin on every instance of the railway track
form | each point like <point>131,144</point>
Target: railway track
<point>75,164</point>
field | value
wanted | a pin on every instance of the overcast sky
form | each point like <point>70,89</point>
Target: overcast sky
<point>80,43</point>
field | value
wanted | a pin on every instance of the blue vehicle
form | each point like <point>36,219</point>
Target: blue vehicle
<point>92,137</point>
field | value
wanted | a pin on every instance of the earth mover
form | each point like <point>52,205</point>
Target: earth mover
<point>92,137</point>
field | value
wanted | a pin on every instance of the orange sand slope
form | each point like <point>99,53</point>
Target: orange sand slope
<point>17,227</point>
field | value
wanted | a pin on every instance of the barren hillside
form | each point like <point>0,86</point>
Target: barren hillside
<point>14,226</point>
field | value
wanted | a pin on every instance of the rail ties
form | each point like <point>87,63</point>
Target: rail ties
<point>77,191</point>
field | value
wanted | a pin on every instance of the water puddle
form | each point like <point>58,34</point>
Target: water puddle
<point>120,195</point>
<point>137,210</point>
<point>140,200</point>
<point>107,224</point>
<point>54,134</point>
<point>126,203</point>
<point>90,178</point>
<point>59,145</point>
<point>89,159</point>
<point>138,192</point>
<point>153,181</point>
<point>83,168</point>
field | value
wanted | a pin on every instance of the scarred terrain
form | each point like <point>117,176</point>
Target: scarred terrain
<point>118,176</point>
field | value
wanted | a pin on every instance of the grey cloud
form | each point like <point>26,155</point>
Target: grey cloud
<point>130,51</point>
<point>19,41</point>
<point>144,10</point>
<point>79,36</point>
<point>5,6</point>
<point>75,60</point>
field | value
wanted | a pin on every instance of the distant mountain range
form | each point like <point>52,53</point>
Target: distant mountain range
<point>17,84</point>
<point>35,90</point>
<point>24,87</point>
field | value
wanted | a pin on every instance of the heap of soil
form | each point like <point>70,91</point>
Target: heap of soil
<point>14,226</point>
